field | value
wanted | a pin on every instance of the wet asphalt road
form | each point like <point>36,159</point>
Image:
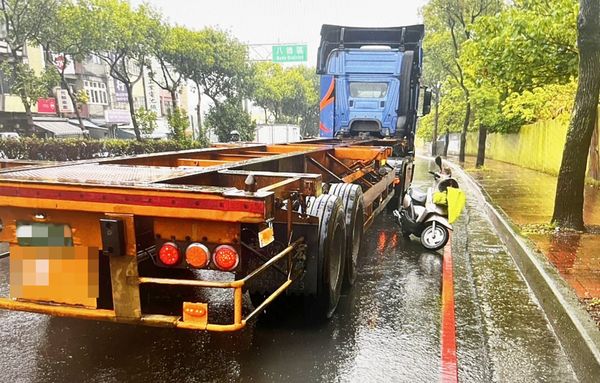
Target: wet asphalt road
<point>387,329</point>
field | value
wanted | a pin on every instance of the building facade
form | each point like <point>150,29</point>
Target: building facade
<point>107,100</point>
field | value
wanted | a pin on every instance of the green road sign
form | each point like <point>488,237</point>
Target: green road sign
<point>289,53</point>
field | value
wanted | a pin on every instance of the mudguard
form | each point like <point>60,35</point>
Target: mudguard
<point>439,219</point>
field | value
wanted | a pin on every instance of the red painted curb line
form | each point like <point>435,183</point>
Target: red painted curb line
<point>449,361</point>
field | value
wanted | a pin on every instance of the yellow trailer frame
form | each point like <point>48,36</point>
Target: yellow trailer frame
<point>189,194</point>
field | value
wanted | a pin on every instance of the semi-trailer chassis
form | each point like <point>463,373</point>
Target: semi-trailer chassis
<point>95,239</point>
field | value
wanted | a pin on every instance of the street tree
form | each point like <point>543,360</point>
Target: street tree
<point>187,58</point>
<point>568,205</point>
<point>225,71</point>
<point>530,44</point>
<point>166,46</point>
<point>216,63</point>
<point>434,77</point>
<point>29,85</point>
<point>24,22</point>
<point>269,89</point>
<point>309,111</point>
<point>450,114</point>
<point>521,61</point>
<point>65,40</point>
<point>178,122</point>
<point>487,115</point>
<point>487,98</point>
<point>147,120</point>
<point>449,24</point>
<point>288,95</point>
<point>227,116</point>
<point>120,34</point>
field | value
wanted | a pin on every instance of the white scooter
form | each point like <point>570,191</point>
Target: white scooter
<point>425,215</point>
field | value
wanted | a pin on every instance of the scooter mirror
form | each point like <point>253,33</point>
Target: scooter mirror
<point>438,162</point>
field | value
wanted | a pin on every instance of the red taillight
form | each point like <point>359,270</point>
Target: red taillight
<point>226,258</point>
<point>169,254</point>
<point>197,255</point>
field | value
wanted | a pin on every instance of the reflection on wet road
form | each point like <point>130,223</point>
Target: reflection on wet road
<point>385,330</point>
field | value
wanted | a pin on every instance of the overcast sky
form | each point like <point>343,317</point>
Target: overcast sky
<point>286,21</point>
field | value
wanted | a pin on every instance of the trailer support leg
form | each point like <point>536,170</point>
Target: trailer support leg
<point>124,274</point>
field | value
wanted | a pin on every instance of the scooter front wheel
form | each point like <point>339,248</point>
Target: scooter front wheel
<point>434,236</point>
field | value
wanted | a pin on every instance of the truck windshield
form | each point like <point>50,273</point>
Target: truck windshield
<point>368,89</point>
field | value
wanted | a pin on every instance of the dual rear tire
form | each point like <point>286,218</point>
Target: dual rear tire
<point>341,227</point>
<point>340,233</point>
<point>354,210</point>
<point>330,254</point>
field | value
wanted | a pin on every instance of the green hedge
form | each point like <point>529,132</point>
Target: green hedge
<point>80,149</point>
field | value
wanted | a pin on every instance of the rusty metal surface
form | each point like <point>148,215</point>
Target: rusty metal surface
<point>98,174</point>
<point>142,170</point>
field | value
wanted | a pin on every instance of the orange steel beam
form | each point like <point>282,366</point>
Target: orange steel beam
<point>380,187</point>
<point>363,153</point>
<point>255,152</point>
<point>280,188</point>
<point>237,156</point>
<point>197,162</point>
<point>307,183</point>
<point>360,173</point>
<point>238,207</point>
<point>295,148</point>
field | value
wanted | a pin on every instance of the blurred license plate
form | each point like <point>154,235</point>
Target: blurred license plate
<point>43,234</point>
<point>45,266</point>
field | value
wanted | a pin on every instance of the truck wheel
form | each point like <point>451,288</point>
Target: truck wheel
<point>354,208</point>
<point>434,238</point>
<point>330,254</point>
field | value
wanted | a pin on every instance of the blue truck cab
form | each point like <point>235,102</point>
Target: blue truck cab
<point>370,81</point>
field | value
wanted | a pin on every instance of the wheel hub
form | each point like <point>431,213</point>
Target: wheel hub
<point>433,236</point>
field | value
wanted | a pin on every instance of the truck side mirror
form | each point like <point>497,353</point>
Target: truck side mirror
<point>427,102</point>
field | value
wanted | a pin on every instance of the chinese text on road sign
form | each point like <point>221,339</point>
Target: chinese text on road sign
<point>289,53</point>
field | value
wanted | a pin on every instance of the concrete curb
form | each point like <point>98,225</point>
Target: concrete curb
<point>577,333</point>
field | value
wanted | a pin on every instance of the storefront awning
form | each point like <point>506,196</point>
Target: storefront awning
<point>58,127</point>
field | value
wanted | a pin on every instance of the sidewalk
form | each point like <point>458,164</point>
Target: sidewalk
<point>527,197</point>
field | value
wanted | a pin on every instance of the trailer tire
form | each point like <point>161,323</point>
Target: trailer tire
<point>354,208</point>
<point>330,255</point>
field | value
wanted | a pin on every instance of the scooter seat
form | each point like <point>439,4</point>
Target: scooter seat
<point>418,197</point>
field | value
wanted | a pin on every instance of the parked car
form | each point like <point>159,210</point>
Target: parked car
<point>8,135</point>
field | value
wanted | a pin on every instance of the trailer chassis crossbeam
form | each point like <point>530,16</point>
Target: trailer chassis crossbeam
<point>239,321</point>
